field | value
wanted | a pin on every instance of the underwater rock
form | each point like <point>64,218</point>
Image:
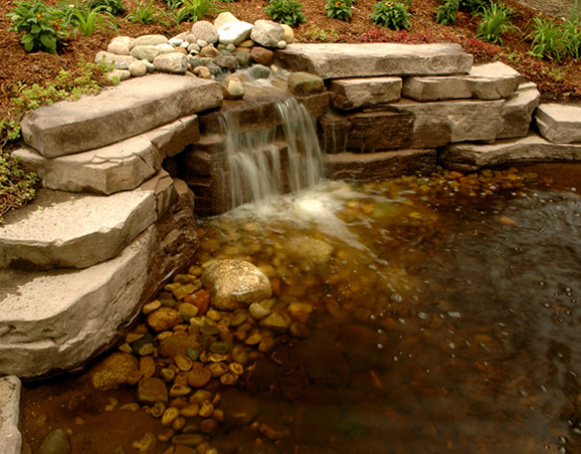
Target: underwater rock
<point>56,442</point>
<point>113,371</point>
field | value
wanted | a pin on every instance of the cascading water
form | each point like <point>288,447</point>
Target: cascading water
<point>272,161</point>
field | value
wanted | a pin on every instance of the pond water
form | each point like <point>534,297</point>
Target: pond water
<point>425,314</point>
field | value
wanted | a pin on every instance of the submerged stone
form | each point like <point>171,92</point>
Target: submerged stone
<point>56,442</point>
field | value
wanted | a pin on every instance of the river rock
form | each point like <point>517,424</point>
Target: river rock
<point>113,371</point>
<point>224,18</point>
<point>145,52</point>
<point>227,62</point>
<point>267,33</point>
<point>262,56</point>
<point>138,69</point>
<point>118,61</point>
<point>151,390</point>
<point>174,63</point>
<point>234,32</point>
<point>202,72</point>
<point>310,251</point>
<point>163,319</point>
<point>235,284</point>
<point>205,31</point>
<point>243,58</point>
<point>289,34</point>
<point>233,89</point>
<point>56,442</point>
<point>120,45</point>
<point>209,52</point>
<point>259,72</point>
<point>303,83</point>
<point>118,75</point>
<point>148,40</point>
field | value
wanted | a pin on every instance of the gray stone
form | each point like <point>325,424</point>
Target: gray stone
<point>559,123</point>
<point>267,33</point>
<point>10,387</point>
<point>175,42</point>
<point>259,72</point>
<point>470,156</point>
<point>145,52</point>
<point>118,75</point>
<point>57,320</point>
<point>234,32</point>
<point>486,81</point>
<point>148,40</point>
<point>118,167</point>
<point>46,238</point>
<point>436,124</point>
<point>194,61</point>
<point>205,31</point>
<point>339,61</point>
<point>518,110</point>
<point>55,442</point>
<point>165,48</point>
<point>302,83</point>
<point>174,63</point>
<point>117,113</point>
<point>193,48</point>
<point>118,61</point>
<point>119,45</point>
<point>364,92</point>
<point>235,284</point>
<point>224,18</point>
<point>227,62</point>
<point>209,52</point>
<point>138,69</point>
<point>243,58</point>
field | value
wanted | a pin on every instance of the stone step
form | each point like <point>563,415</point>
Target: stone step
<point>11,437</point>
<point>378,166</point>
<point>68,230</point>
<point>132,108</point>
<point>470,156</point>
<point>485,81</point>
<point>57,320</point>
<point>364,92</point>
<point>339,61</point>
<point>113,168</point>
<point>559,123</point>
<point>518,110</point>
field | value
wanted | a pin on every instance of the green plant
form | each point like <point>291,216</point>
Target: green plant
<point>88,20</point>
<point>114,7</point>
<point>173,5</point>
<point>17,185</point>
<point>548,39</point>
<point>495,20</point>
<point>286,11</point>
<point>446,13</point>
<point>339,9</point>
<point>146,13</point>
<point>474,6</point>
<point>316,34</point>
<point>393,15</point>
<point>194,10</point>
<point>572,36</point>
<point>42,25</point>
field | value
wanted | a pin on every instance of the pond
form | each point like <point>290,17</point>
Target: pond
<point>425,314</point>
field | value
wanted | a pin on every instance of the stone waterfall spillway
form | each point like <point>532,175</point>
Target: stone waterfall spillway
<point>271,161</point>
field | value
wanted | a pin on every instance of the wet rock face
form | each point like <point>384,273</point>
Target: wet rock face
<point>235,284</point>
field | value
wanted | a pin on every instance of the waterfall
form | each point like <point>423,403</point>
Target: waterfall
<point>272,161</point>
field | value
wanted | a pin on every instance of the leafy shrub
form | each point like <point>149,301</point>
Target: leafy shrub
<point>316,34</point>
<point>114,7</point>
<point>339,9</point>
<point>42,25</point>
<point>446,13</point>
<point>393,15</point>
<point>495,20</point>
<point>17,185</point>
<point>286,11</point>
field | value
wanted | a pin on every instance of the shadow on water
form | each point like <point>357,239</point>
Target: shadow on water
<point>439,314</point>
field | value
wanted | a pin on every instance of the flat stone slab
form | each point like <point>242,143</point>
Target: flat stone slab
<point>485,81</point>
<point>119,167</point>
<point>364,92</point>
<point>559,123</point>
<point>132,108</point>
<point>339,61</point>
<point>378,166</point>
<point>469,156</point>
<point>57,320</point>
<point>11,437</point>
<point>517,111</point>
<point>67,230</point>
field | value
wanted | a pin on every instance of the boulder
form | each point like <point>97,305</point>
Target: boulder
<point>302,83</point>
<point>224,18</point>
<point>174,63</point>
<point>364,92</point>
<point>145,52</point>
<point>517,111</point>
<point>148,40</point>
<point>559,123</point>
<point>261,56</point>
<point>205,31</point>
<point>235,284</point>
<point>136,106</point>
<point>267,33</point>
<point>471,156</point>
<point>138,69</point>
<point>234,32</point>
<point>119,167</point>
<point>340,61</point>
<point>10,387</point>
<point>227,62</point>
<point>39,239</point>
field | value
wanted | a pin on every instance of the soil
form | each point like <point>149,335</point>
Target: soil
<point>561,82</point>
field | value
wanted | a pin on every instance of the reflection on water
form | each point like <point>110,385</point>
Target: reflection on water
<point>442,317</point>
